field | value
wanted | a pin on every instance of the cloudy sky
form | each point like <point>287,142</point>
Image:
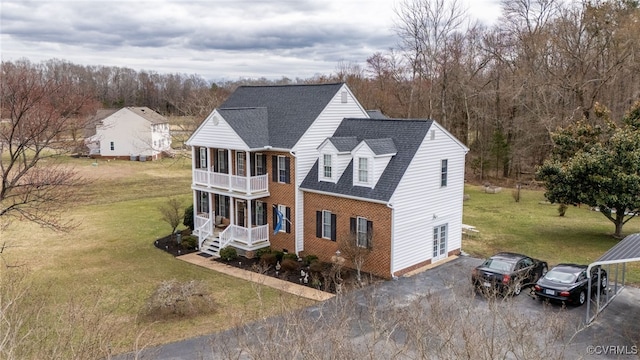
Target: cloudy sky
<point>217,39</point>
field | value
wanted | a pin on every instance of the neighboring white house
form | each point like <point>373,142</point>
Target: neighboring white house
<point>131,132</point>
<point>302,167</point>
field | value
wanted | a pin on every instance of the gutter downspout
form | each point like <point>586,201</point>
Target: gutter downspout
<point>391,257</point>
<point>296,198</point>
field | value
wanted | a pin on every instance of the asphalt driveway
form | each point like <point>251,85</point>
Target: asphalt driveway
<point>433,314</point>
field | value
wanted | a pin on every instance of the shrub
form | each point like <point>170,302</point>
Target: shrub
<point>188,217</point>
<point>268,259</point>
<point>310,259</point>
<point>290,265</point>
<point>174,299</point>
<point>290,256</point>
<point>262,251</point>
<point>562,209</point>
<point>316,267</point>
<point>228,253</point>
<point>279,255</point>
<point>189,242</point>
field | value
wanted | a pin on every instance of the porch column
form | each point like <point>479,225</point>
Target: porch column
<point>231,169</point>
<point>209,174</point>
<point>232,211</point>
<point>249,225</point>
<point>212,213</point>
<point>247,171</point>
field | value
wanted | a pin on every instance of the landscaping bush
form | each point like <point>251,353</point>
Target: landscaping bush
<point>290,265</point>
<point>188,217</point>
<point>309,259</point>
<point>268,259</point>
<point>262,251</point>
<point>189,242</point>
<point>316,267</point>
<point>279,255</point>
<point>174,299</point>
<point>228,253</point>
<point>290,256</point>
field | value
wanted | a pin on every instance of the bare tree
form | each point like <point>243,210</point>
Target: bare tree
<point>172,213</point>
<point>38,114</point>
<point>356,252</point>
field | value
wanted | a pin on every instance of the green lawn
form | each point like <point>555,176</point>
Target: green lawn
<point>533,227</point>
<point>110,260</point>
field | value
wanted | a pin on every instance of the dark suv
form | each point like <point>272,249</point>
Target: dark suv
<point>508,273</point>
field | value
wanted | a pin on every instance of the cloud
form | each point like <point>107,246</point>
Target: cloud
<point>217,39</point>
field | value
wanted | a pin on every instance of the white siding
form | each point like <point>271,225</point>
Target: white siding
<point>306,149</point>
<point>129,132</point>
<point>343,161</point>
<point>217,136</point>
<point>327,148</point>
<point>420,203</point>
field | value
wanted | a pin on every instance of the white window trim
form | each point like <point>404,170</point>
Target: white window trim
<point>359,231</point>
<point>330,166</point>
<point>259,213</point>
<point>356,177</point>
<point>259,164</point>
<point>326,220</point>
<point>281,169</point>
<point>241,163</point>
<point>222,161</point>
<point>283,211</point>
<point>444,172</point>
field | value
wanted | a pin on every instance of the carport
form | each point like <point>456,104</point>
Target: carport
<point>625,251</point>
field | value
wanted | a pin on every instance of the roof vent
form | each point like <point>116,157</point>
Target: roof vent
<point>344,97</point>
<point>433,134</point>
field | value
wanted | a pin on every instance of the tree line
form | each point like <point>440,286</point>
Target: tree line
<point>502,90</point>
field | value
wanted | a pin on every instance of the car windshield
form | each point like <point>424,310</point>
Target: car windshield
<point>561,277</point>
<point>496,264</point>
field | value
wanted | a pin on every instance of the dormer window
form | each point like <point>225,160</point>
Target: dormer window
<point>326,164</point>
<point>363,170</point>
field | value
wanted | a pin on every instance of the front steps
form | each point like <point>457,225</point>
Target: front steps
<point>211,246</point>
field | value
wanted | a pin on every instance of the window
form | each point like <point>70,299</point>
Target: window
<point>203,158</point>
<point>260,164</point>
<point>260,213</point>
<point>280,166</point>
<point>286,218</point>
<point>363,170</point>
<point>240,163</point>
<point>326,225</point>
<point>443,173</point>
<point>327,165</point>
<point>362,230</point>
<point>112,146</point>
<point>439,242</point>
<point>221,161</point>
<point>222,205</point>
<point>203,202</point>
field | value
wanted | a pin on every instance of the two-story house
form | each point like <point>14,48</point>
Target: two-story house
<point>128,133</point>
<point>312,154</point>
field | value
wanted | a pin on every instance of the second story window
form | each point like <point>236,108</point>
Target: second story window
<point>280,167</point>
<point>363,170</point>
<point>326,161</point>
<point>240,163</point>
<point>203,158</point>
<point>443,173</point>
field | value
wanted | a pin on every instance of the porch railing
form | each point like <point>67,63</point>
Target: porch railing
<point>246,236</point>
<point>233,182</point>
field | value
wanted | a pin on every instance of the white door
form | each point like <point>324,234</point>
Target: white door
<point>439,243</point>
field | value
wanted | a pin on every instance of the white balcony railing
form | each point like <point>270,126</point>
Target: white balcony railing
<point>244,235</point>
<point>252,184</point>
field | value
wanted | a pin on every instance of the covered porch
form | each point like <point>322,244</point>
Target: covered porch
<point>222,220</point>
<point>231,170</point>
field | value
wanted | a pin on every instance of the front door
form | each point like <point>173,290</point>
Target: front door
<point>241,213</point>
<point>439,243</point>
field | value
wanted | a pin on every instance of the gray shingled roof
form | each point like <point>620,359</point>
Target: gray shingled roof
<point>291,109</point>
<point>343,144</point>
<point>148,114</point>
<point>381,146</point>
<point>376,114</point>
<point>407,135</point>
<point>252,122</point>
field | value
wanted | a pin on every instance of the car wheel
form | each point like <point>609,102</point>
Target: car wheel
<point>517,289</point>
<point>582,297</point>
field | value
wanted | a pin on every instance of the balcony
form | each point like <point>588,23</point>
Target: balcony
<point>245,238</point>
<point>241,184</point>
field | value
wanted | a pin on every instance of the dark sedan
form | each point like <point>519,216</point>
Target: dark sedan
<point>508,273</point>
<point>569,283</point>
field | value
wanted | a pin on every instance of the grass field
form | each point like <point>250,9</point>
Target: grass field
<point>107,267</point>
<point>533,227</point>
<point>110,260</point>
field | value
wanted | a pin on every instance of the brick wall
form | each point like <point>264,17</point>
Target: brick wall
<point>283,194</point>
<point>378,261</point>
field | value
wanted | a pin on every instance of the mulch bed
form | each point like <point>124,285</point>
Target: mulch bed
<point>319,280</point>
